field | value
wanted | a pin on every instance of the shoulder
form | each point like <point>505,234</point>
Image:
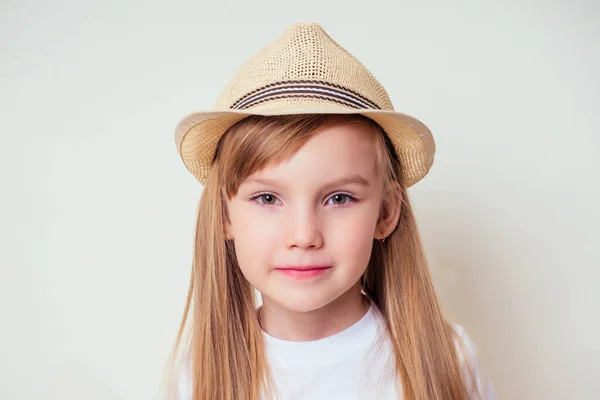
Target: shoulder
<point>472,365</point>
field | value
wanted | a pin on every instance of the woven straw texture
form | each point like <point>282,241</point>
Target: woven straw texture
<point>304,71</point>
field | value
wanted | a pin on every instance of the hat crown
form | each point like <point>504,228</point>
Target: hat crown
<point>303,68</point>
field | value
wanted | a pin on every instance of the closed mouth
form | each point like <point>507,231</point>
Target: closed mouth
<point>304,268</point>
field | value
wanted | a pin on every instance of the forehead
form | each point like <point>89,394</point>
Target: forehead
<point>333,153</point>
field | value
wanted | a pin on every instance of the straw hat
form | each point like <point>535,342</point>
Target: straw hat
<point>304,71</point>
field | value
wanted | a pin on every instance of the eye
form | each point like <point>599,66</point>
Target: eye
<point>342,199</point>
<point>268,199</point>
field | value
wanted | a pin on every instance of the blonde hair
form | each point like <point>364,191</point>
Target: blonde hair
<point>220,342</point>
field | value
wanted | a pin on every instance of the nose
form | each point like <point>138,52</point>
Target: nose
<point>303,229</point>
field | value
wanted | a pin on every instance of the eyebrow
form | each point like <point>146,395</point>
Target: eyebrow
<point>354,179</point>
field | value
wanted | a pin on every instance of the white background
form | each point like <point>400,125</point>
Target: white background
<point>97,211</point>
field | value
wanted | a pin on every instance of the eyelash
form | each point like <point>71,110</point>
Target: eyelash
<point>351,199</point>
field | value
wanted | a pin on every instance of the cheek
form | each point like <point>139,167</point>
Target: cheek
<point>353,243</point>
<point>255,241</point>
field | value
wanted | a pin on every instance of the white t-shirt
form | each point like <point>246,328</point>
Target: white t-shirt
<point>354,364</point>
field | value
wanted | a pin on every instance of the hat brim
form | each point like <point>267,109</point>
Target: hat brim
<point>197,134</point>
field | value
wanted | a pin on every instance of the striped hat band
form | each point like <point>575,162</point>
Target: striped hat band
<point>305,89</point>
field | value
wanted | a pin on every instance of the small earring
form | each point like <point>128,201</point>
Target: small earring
<point>383,240</point>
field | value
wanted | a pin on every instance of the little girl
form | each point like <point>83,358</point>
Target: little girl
<point>305,167</point>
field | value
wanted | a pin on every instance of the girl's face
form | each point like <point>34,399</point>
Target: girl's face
<point>318,209</point>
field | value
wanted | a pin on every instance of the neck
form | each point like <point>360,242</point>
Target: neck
<point>316,324</point>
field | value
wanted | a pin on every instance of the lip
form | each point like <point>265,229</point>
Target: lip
<point>304,271</point>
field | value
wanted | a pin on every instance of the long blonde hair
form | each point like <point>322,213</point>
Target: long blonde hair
<point>220,342</point>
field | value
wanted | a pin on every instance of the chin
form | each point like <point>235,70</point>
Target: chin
<point>302,301</point>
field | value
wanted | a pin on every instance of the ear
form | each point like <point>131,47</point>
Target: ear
<point>390,213</point>
<point>228,230</point>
